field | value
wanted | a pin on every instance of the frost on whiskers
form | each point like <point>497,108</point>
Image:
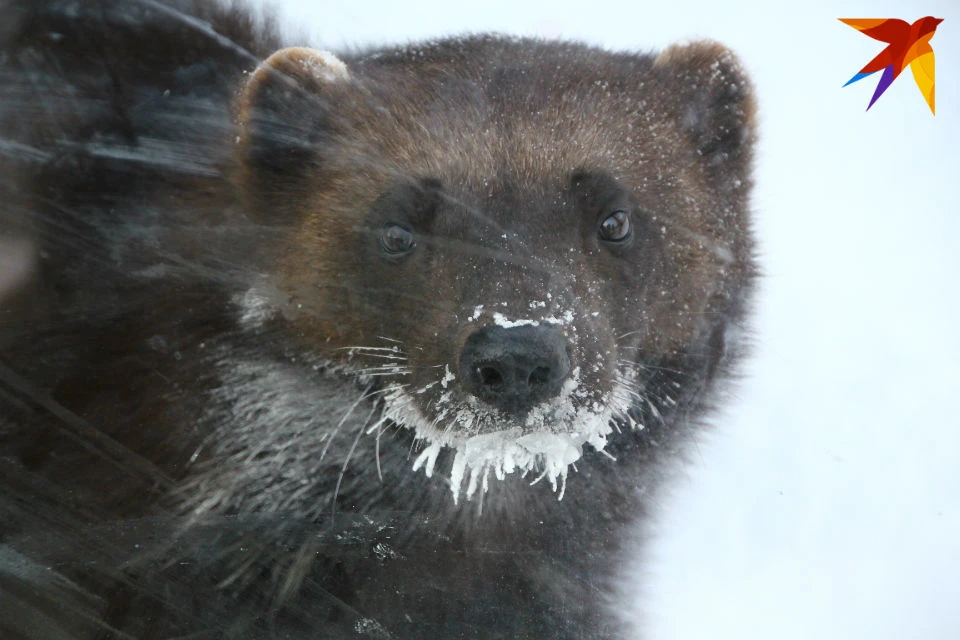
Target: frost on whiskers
<point>546,443</point>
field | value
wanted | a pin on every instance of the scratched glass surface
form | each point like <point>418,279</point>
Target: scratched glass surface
<point>343,344</point>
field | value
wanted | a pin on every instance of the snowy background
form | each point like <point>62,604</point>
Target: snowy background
<point>826,502</point>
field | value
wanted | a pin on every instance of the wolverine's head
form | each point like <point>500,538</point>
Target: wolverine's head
<point>523,245</point>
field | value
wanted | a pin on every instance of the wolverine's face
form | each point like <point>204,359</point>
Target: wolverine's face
<point>514,266</point>
<point>500,317</point>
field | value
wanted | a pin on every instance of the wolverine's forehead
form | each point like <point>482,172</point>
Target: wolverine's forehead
<point>503,115</point>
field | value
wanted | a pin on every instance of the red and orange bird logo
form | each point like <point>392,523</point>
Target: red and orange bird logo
<point>907,44</point>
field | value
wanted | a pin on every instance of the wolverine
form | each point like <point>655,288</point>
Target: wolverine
<point>393,343</point>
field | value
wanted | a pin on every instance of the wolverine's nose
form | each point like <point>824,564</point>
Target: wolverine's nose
<point>515,368</point>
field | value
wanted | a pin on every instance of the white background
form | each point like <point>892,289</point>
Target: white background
<point>826,501</point>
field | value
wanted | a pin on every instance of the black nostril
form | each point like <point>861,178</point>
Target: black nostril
<point>515,368</point>
<point>490,377</point>
<point>539,376</point>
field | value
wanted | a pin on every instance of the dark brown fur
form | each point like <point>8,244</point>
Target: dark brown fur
<point>193,381</point>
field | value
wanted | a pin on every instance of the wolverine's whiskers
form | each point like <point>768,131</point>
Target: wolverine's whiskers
<point>366,393</point>
<point>346,462</point>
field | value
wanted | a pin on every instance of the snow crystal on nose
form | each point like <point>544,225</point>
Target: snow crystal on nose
<point>503,321</point>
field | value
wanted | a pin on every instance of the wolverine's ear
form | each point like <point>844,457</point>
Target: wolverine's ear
<point>713,100</point>
<point>285,110</point>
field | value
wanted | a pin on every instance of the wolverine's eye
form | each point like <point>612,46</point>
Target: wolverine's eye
<point>615,227</point>
<point>395,239</point>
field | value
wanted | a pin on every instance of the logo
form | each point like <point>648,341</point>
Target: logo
<point>907,44</point>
